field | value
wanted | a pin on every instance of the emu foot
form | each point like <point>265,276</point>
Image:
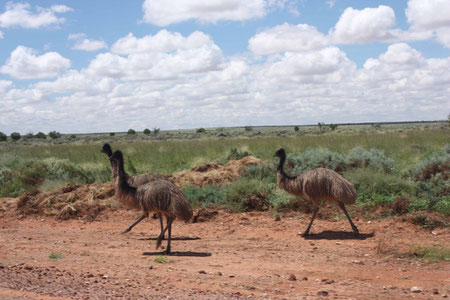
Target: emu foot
<point>125,231</point>
<point>159,241</point>
<point>356,232</point>
<point>303,234</point>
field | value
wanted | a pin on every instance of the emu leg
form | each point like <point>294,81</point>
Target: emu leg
<point>162,233</point>
<point>316,209</point>
<point>355,230</point>
<point>144,215</point>
<point>169,238</point>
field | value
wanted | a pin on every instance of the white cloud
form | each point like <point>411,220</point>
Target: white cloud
<point>331,3</point>
<point>432,16</point>
<point>20,15</point>
<point>367,25</point>
<point>286,37</point>
<point>429,14</point>
<point>165,55</point>
<point>1,35</point>
<point>163,13</point>
<point>90,45</point>
<point>24,63</point>
<point>163,41</point>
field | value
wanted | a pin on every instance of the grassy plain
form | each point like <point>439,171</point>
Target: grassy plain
<point>78,159</point>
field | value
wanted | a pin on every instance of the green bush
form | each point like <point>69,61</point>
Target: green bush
<point>201,130</point>
<point>248,194</point>
<point>317,158</point>
<point>54,134</point>
<point>40,135</point>
<point>131,131</point>
<point>15,136</point>
<point>204,196</point>
<point>28,136</point>
<point>373,158</point>
<point>112,134</point>
<point>296,128</point>
<point>147,131</point>
<point>156,131</point>
<point>235,154</point>
<point>248,128</point>
<point>438,162</point>
<point>3,137</point>
<point>375,186</point>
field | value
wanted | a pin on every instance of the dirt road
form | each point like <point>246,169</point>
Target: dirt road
<point>231,256</point>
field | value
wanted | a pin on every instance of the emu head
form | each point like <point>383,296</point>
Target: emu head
<point>280,153</point>
<point>107,149</point>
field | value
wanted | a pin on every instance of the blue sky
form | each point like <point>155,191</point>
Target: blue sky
<point>100,66</point>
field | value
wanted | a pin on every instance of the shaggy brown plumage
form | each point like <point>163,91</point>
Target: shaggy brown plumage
<point>135,180</point>
<point>160,196</point>
<point>316,185</point>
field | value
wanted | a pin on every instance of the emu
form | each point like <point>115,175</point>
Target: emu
<point>159,196</point>
<point>135,180</point>
<point>316,185</point>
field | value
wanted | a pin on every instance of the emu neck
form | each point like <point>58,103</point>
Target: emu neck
<point>286,182</point>
<point>123,186</point>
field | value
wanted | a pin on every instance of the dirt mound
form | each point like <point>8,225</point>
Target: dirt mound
<point>71,201</point>
<point>87,201</point>
<point>214,173</point>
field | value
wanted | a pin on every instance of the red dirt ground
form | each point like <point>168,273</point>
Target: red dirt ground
<point>230,256</point>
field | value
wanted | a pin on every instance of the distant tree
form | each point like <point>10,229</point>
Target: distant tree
<point>131,131</point>
<point>248,128</point>
<point>40,135</point>
<point>201,130</point>
<point>156,131</point>
<point>333,126</point>
<point>320,126</point>
<point>28,136</point>
<point>54,134</point>
<point>296,128</point>
<point>72,136</point>
<point>147,131</point>
<point>112,134</point>
<point>15,136</point>
<point>3,137</point>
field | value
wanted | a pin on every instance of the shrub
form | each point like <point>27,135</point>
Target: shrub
<point>131,131</point>
<point>112,134</point>
<point>15,136</point>
<point>54,134</point>
<point>3,137</point>
<point>203,196</point>
<point>147,131</point>
<point>248,128</point>
<point>373,158</point>
<point>201,130</point>
<point>317,158</point>
<point>333,126</point>
<point>248,194</point>
<point>296,128</point>
<point>235,154</point>
<point>72,136</point>
<point>40,135</point>
<point>375,186</point>
<point>156,131</point>
<point>438,162</point>
<point>28,136</point>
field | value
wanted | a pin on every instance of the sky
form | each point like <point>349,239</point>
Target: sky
<point>107,66</point>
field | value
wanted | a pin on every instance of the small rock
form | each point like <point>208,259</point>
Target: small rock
<point>151,267</point>
<point>219,273</point>
<point>277,218</point>
<point>202,272</point>
<point>436,291</point>
<point>305,278</point>
<point>292,277</point>
<point>322,293</point>
<point>416,289</point>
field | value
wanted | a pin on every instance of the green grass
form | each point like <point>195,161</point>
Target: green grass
<point>161,259</point>
<point>432,253</point>
<point>55,256</point>
<point>401,148</point>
